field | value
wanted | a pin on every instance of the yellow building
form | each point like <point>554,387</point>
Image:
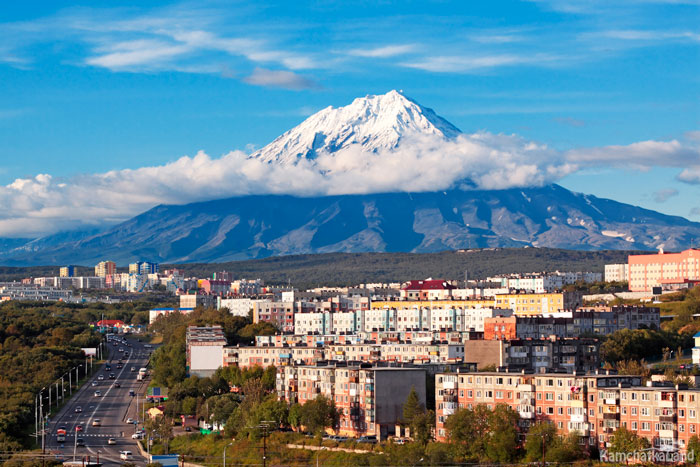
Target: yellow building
<point>526,304</point>
<point>105,268</point>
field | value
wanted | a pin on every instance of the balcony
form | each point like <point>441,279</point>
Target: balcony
<point>577,403</point>
<point>611,416</point>
<point>667,403</point>
<point>667,433</point>
<point>526,387</point>
<point>449,398</point>
<point>527,415</point>
<point>448,385</point>
<point>610,401</point>
<point>577,418</point>
<point>527,401</point>
<point>667,418</point>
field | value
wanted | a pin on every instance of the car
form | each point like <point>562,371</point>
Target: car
<point>399,440</point>
<point>188,429</point>
<point>80,442</point>
<point>137,436</point>
<point>98,394</point>
<point>116,384</point>
<point>121,349</point>
<point>119,366</point>
<point>101,378</point>
<point>108,366</point>
<point>129,421</point>
<point>111,376</point>
<point>367,439</point>
<point>78,409</point>
<point>133,368</point>
<point>94,383</point>
<point>132,393</point>
<point>111,441</point>
<point>97,422</point>
<point>125,455</point>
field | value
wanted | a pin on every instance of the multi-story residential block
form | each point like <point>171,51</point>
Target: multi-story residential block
<point>616,272</point>
<point>20,291</point>
<point>543,355</point>
<point>195,300</point>
<point>105,268</point>
<point>427,290</point>
<point>67,271</point>
<point>281,314</point>
<point>656,270</point>
<point>600,320</point>
<point>143,267</point>
<point>205,349</point>
<point>215,287</point>
<point>370,399</point>
<point>238,306</point>
<point>593,406</point>
<point>536,304</point>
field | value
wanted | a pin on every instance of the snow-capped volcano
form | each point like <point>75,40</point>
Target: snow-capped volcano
<point>373,122</point>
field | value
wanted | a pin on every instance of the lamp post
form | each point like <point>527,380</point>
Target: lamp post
<point>229,444</point>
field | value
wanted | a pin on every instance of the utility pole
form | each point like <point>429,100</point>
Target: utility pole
<point>49,398</point>
<point>70,382</point>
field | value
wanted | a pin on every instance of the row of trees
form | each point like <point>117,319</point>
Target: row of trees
<point>38,344</point>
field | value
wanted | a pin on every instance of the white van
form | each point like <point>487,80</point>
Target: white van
<point>125,455</point>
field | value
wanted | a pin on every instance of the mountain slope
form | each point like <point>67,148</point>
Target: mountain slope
<point>268,225</point>
<point>373,122</point>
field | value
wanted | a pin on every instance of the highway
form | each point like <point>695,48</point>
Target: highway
<point>112,408</point>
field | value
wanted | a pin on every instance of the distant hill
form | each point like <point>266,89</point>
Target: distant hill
<point>354,268</point>
<point>259,226</point>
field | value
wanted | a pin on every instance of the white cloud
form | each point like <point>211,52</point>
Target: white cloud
<point>468,63</point>
<point>383,52</point>
<point>279,79</point>
<point>43,204</point>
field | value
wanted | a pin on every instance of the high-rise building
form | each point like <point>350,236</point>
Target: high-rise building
<point>143,267</point>
<point>105,268</point>
<point>67,271</point>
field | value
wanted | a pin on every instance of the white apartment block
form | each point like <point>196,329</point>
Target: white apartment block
<point>238,306</point>
<point>616,272</point>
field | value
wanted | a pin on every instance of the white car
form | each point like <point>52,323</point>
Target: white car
<point>129,421</point>
<point>98,393</point>
<point>125,455</point>
<point>138,435</point>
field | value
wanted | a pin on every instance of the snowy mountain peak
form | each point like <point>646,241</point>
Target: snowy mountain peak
<point>374,122</point>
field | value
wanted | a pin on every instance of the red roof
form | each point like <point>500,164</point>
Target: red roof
<point>434,284</point>
<point>111,323</point>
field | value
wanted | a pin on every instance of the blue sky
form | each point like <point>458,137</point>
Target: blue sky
<point>88,89</point>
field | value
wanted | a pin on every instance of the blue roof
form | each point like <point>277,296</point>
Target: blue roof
<point>697,334</point>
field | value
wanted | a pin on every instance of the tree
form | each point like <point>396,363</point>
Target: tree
<point>160,427</point>
<point>502,444</point>
<point>422,427</point>
<point>412,407</point>
<point>294,416</point>
<point>625,441</point>
<point>467,430</point>
<point>318,414</point>
<point>693,449</point>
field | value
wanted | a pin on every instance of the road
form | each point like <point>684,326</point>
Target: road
<point>112,408</point>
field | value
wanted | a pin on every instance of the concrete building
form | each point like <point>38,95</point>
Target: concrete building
<point>649,271</point>
<point>67,271</point>
<point>205,350</point>
<point>593,406</point>
<point>238,306</point>
<point>616,272</point>
<point>370,399</point>
<point>537,304</point>
<point>598,320</point>
<point>427,290</point>
<point>105,268</point>
<point>195,300</point>
<point>281,314</point>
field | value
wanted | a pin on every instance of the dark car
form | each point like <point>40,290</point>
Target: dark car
<point>132,393</point>
<point>80,442</point>
<point>111,376</point>
<point>78,409</point>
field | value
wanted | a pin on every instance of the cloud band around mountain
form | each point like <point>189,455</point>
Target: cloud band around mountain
<point>44,204</point>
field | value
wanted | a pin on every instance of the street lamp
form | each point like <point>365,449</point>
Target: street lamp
<point>229,444</point>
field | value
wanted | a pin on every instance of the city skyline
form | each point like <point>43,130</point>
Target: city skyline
<point>98,93</point>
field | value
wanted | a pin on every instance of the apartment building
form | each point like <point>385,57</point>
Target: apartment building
<point>105,268</point>
<point>205,349</point>
<point>248,356</point>
<point>370,398</point>
<point>195,300</point>
<point>238,306</point>
<point>648,271</point>
<point>430,304</point>
<point>594,406</point>
<point>281,314</point>
<point>525,304</point>
<point>67,271</point>
<point>430,289</point>
<point>616,272</point>
<point>600,320</point>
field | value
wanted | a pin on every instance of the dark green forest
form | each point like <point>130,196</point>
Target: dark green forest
<point>355,268</point>
<point>38,344</point>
